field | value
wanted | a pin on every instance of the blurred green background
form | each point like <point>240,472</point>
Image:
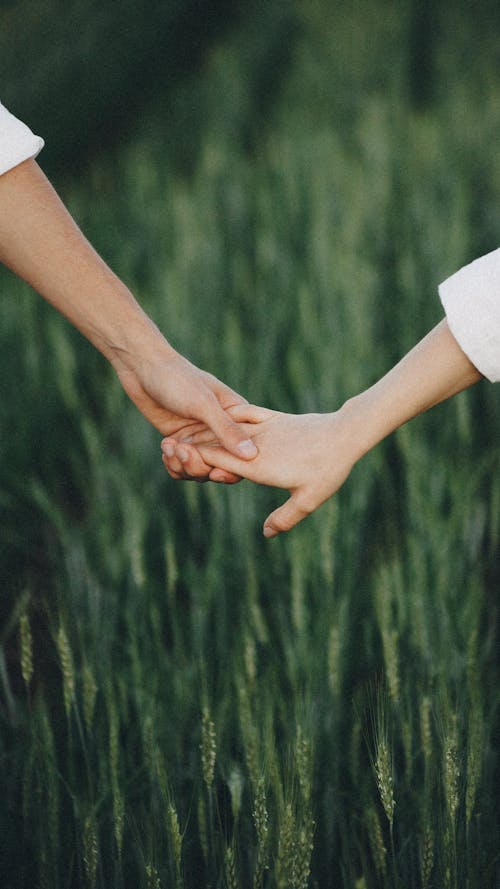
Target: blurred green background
<point>283,186</point>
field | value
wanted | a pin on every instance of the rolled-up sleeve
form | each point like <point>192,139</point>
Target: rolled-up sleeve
<point>471,300</point>
<point>17,142</point>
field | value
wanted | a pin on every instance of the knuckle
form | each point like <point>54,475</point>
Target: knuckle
<point>281,523</point>
<point>174,475</point>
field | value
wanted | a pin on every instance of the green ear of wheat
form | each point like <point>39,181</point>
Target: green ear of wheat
<point>231,880</point>
<point>208,748</point>
<point>175,838</point>
<point>67,668</point>
<point>26,646</point>
<point>261,822</point>
<point>152,877</point>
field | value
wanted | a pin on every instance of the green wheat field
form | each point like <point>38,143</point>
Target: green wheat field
<point>183,704</point>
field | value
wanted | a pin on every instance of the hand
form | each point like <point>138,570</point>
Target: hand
<point>309,454</point>
<point>40,241</point>
<point>312,454</point>
<point>180,399</point>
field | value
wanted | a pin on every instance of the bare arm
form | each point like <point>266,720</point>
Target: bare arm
<point>312,454</point>
<point>433,371</point>
<point>40,241</point>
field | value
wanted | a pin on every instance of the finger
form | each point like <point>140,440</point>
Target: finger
<point>250,413</point>
<point>217,457</point>
<point>168,446</point>
<point>177,456</point>
<point>187,431</point>
<point>194,466</point>
<point>175,466</point>
<point>179,475</point>
<point>231,436</point>
<point>190,461</point>
<point>286,516</point>
<point>172,474</point>
<point>206,436</point>
<point>183,462</point>
<point>192,470</point>
<point>226,478</point>
<point>227,396</point>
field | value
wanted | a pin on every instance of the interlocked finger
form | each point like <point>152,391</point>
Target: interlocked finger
<point>183,462</point>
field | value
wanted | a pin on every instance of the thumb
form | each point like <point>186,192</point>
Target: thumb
<point>286,516</point>
<point>231,435</point>
<point>249,413</point>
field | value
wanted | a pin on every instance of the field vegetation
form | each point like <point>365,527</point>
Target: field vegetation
<point>184,704</point>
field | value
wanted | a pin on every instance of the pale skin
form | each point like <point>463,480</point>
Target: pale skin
<point>311,455</point>
<point>40,242</point>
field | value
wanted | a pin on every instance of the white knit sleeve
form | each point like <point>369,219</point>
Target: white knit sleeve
<point>471,300</point>
<point>17,142</point>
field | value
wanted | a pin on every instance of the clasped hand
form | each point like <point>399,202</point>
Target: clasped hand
<point>311,455</point>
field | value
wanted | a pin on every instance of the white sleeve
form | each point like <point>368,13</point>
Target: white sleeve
<point>471,300</point>
<point>17,142</point>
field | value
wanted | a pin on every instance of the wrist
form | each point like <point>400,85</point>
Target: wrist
<point>135,340</point>
<point>365,423</point>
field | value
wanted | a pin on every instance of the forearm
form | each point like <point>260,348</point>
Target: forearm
<point>433,371</point>
<point>41,243</point>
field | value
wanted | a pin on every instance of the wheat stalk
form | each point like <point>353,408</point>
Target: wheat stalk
<point>261,822</point>
<point>67,668</point>
<point>235,782</point>
<point>295,846</point>
<point>230,869</point>
<point>202,827</point>
<point>208,747</point>
<point>249,734</point>
<point>425,728</point>
<point>90,850</point>
<point>89,696</point>
<point>303,758</point>
<point>149,746</point>
<point>285,861</point>
<point>26,646</point>
<point>383,771</point>
<point>152,877</point>
<point>175,843</point>
<point>379,852</point>
<point>426,855</point>
<point>334,660</point>
<point>474,759</point>
<point>451,773</point>
<point>118,803</point>
<point>303,851</point>
<point>118,818</point>
<point>51,813</point>
<point>250,658</point>
<point>390,639</point>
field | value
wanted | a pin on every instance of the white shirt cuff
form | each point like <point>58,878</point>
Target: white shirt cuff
<point>471,300</point>
<point>17,142</point>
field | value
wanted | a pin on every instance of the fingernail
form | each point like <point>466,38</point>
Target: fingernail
<point>269,532</point>
<point>182,455</point>
<point>168,449</point>
<point>247,448</point>
<point>187,438</point>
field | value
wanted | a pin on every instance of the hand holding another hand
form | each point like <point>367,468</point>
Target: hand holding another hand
<point>180,399</point>
<point>312,454</point>
<point>40,241</point>
<point>309,454</point>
